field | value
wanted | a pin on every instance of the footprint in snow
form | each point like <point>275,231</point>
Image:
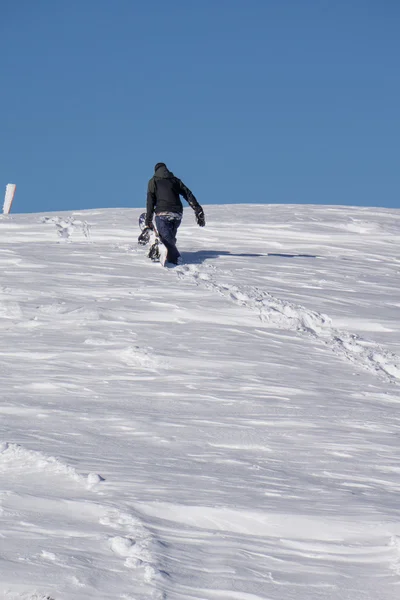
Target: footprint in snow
<point>134,544</point>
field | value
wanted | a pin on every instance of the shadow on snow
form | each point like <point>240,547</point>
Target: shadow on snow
<point>201,255</point>
<point>293,255</point>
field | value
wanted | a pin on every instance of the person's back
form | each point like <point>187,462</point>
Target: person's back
<point>163,194</point>
<point>163,200</point>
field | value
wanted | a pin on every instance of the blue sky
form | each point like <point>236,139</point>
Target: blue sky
<point>247,101</point>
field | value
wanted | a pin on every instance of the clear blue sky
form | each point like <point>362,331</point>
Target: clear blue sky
<point>247,101</point>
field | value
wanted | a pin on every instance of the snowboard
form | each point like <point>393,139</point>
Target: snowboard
<point>157,251</point>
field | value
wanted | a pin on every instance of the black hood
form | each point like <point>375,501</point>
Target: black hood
<point>163,173</point>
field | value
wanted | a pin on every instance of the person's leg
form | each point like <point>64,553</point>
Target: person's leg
<point>176,223</point>
<point>167,229</point>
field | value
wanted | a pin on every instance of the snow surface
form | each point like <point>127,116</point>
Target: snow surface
<point>224,430</point>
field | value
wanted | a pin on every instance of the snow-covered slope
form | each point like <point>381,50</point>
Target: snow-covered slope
<point>225,430</point>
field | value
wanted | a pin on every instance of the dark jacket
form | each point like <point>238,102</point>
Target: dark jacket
<point>163,194</point>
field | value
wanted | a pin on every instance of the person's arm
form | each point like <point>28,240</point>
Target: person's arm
<point>191,200</point>
<point>151,203</point>
<point>187,194</point>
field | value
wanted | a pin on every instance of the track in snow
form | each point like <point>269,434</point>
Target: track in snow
<point>285,315</point>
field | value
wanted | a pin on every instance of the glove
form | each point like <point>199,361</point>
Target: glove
<point>200,218</point>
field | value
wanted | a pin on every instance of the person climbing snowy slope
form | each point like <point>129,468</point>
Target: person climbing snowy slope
<point>163,201</point>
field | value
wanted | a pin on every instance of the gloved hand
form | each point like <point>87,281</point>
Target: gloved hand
<point>200,218</point>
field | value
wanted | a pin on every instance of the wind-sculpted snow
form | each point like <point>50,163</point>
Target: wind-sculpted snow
<point>135,547</point>
<point>13,456</point>
<point>27,596</point>
<point>227,429</point>
<point>10,310</point>
<point>52,517</point>
<point>286,315</point>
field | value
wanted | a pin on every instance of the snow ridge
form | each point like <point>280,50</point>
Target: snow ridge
<point>12,455</point>
<point>287,315</point>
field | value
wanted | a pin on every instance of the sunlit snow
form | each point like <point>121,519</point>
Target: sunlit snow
<point>227,429</point>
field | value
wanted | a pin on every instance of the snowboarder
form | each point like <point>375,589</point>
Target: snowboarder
<point>163,199</point>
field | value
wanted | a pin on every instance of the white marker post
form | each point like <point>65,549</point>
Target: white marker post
<point>9,197</point>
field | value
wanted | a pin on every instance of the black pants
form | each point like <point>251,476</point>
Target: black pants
<point>167,229</point>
